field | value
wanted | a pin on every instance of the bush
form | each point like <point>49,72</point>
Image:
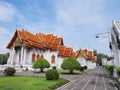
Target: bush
<point>41,63</point>
<point>85,67</point>
<point>52,74</point>
<point>81,68</point>
<point>109,68</point>
<point>54,67</point>
<point>106,67</point>
<point>70,64</point>
<point>10,71</point>
<point>118,71</point>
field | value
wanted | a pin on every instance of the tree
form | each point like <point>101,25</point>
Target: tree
<point>4,58</point>
<point>70,64</point>
<point>41,63</point>
<point>100,56</point>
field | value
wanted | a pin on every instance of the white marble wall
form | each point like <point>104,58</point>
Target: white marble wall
<point>82,61</point>
<point>26,58</point>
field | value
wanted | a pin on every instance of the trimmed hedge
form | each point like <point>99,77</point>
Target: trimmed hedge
<point>81,68</point>
<point>85,67</point>
<point>52,74</point>
<point>10,71</point>
<point>70,64</point>
<point>41,63</point>
<point>109,68</point>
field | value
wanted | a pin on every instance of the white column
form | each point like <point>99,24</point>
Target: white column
<point>30,57</point>
<point>12,55</point>
<point>21,61</point>
<point>9,59</point>
<point>24,56</point>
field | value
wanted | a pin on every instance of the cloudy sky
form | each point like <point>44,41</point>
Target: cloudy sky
<point>77,21</point>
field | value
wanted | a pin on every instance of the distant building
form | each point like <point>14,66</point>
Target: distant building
<point>25,48</point>
<point>104,61</point>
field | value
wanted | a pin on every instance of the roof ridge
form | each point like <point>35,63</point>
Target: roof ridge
<point>24,32</point>
<point>41,42</point>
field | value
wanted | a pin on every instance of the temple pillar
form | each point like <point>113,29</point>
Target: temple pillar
<point>9,59</point>
<point>21,61</point>
<point>12,55</point>
<point>24,56</point>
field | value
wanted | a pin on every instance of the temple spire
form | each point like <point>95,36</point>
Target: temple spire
<point>22,27</point>
<point>16,28</point>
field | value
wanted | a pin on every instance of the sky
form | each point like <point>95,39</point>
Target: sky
<point>77,21</point>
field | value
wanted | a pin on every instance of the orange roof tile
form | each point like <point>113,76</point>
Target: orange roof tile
<point>95,59</point>
<point>89,55</point>
<point>72,54</point>
<point>40,40</point>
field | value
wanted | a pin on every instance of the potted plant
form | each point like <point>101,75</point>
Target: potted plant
<point>118,71</point>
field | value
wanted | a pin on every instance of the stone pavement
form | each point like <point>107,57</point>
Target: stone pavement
<point>96,79</point>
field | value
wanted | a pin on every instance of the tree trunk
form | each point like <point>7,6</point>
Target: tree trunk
<point>71,71</point>
<point>41,69</point>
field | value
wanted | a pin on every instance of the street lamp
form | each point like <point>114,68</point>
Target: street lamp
<point>110,43</point>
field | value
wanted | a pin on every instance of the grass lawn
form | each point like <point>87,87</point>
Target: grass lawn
<point>28,83</point>
<point>61,71</point>
<point>77,72</point>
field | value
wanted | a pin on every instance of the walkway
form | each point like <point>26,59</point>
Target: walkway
<point>96,79</point>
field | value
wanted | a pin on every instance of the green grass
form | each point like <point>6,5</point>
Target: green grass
<point>61,71</point>
<point>28,83</point>
<point>77,72</point>
<point>87,70</point>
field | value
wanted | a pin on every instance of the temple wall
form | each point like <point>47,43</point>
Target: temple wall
<point>90,65</point>
<point>82,61</point>
<point>60,60</point>
<point>47,54</point>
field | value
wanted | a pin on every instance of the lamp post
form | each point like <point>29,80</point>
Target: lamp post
<point>109,40</point>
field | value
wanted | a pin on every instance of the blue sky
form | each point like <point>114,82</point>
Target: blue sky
<point>77,21</point>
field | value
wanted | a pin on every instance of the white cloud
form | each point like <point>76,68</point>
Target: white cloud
<point>77,12</point>
<point>3,31</point>
<point>4,39</point>
<point>78,20</point>
<point>8,12</point>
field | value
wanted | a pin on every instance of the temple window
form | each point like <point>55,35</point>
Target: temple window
<point>38,56</point>
<point>42,56</point>
<point>33,57</point>
<point>53,59</point>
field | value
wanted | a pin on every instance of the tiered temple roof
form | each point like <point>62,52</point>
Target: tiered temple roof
<point>47,41</point>
<point>41,41</point>
<point>87,54</point>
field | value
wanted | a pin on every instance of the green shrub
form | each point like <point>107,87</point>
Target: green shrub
<point>52,74</point>
<point>106,67</point>
<point>10,71</point>
<point>118,71</point>
<point>54,67</point>
<point>109,68</point>
<point>70,64</point>
<point>85,67</point>
<point>81,68</point>
<point>41,63</point>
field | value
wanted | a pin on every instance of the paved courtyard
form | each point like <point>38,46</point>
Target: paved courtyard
<point>96,79</point>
